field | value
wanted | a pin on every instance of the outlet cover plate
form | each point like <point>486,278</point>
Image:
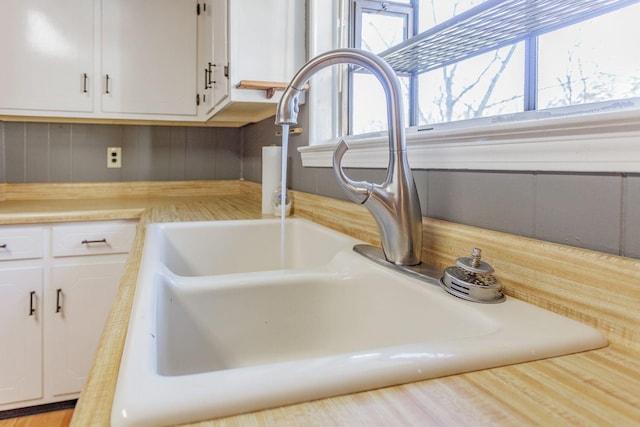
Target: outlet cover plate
<point>114,157</point>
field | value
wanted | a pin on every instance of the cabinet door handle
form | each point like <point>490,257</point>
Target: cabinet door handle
<point>107,84</point>
<point>32,303</point>
<point>88,242</point>
<point>59,300</point>
<point>84,82</point>
<point>3,246</point>
<point>207,79</point>
<point>211,73</point>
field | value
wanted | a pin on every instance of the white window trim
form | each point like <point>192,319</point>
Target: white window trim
<point>598,142</point>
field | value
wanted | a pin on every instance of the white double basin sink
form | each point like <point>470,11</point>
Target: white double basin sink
<point>225,321</point>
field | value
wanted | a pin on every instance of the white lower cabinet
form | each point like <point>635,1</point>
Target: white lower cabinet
<point>53,306</point>
<point>80,297</point>
<point>20,334</point>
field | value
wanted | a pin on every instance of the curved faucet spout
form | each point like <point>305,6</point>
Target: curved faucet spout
<point>394,204</point>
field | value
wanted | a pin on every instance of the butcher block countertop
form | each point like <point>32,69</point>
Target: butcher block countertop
<point>595,388</point>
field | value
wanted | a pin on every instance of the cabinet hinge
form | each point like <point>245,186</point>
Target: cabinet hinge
<point>226,70</point>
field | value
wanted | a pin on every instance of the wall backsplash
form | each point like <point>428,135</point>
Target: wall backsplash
<point>599,211</point>
<point>58,152</point>
<point>593,211</point>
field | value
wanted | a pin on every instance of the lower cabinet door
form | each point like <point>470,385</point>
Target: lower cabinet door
<point>80,299</point>
<point>20,334</point>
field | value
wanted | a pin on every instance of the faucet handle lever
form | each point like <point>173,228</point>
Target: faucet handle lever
<point>358,191</point>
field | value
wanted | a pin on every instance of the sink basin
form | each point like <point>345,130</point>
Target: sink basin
<point>224,247</point>
<point>221,325</point>
<point>298,316</point>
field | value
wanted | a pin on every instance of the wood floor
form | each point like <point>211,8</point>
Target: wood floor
<point>61,418</point>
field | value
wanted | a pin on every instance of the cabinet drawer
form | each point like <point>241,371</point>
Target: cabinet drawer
<point>92,238</point>
<point>21,243</point>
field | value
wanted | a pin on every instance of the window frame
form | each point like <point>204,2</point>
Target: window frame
<point>530,41</point>
<point>605,139</point>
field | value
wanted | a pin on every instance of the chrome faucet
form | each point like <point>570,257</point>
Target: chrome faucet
<point>394,204</point>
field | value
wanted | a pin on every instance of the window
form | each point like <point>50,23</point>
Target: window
<point>377,26</point>
<point>488,84</point>
<point>590,62</point>
<point>580,64</point>
<point>567,133</point>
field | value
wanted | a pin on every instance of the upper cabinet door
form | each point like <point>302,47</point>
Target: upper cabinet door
<point>205,55</point>
<point>149,56</point>
<point>220,52</point>
<point>47,55</point>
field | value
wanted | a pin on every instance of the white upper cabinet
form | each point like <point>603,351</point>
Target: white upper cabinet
<point>220,66</point>
<point>220,52</point>
<point>115,59</point>
<point>177,60</point>
<point>205,57</point>
<point>149,56</point>
<point>267,41</point>
<point>213,85</point>
<point>47,55</point>
<point>261,41</point>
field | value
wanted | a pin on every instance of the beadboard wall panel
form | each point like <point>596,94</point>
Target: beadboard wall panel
<point>61,152</point>
<point>596,211</point>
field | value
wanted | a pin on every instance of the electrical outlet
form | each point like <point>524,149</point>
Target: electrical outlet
<point>114,157</point>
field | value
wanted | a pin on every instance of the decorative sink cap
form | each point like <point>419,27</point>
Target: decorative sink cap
<point>472,279</point>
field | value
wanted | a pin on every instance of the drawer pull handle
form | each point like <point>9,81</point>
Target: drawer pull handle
<point>3,246</point>
<point>32,305</point>
<point>88,242</point>
<point>58,300</point>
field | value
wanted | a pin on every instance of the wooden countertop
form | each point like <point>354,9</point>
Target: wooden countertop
<point>593,388</point>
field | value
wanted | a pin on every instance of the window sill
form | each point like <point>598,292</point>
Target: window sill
<point>600,142</point>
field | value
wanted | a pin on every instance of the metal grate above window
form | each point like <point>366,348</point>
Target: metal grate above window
<point>488,26</point>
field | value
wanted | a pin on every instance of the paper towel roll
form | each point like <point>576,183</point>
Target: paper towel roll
<point>271,175</point>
